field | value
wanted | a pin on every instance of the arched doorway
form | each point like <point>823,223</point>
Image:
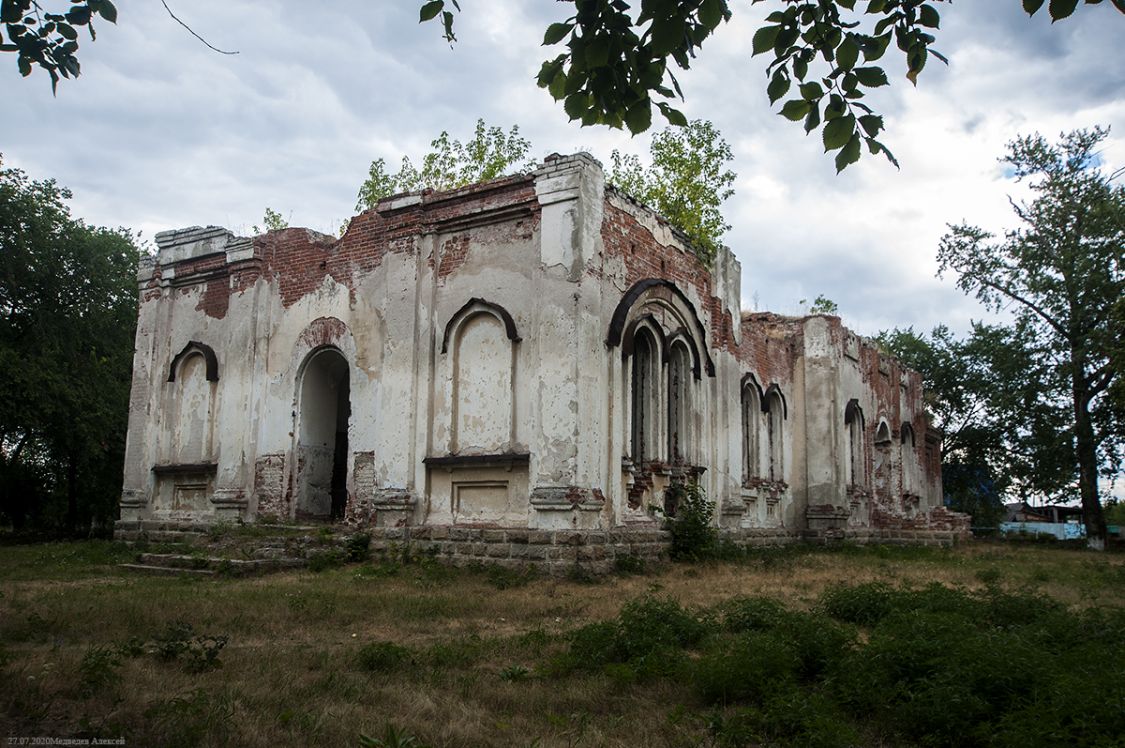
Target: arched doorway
<point>322,443</point>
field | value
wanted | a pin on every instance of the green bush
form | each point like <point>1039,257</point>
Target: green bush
<point>935,667</point>
<point>818,641</point>
<point>648,637</point>
<point>382,657</point>
<point>752,614</point>
<point>953,667</point>
<point>863,604</point>
<point>357,548</point>
<point>791,717</point>
<point>328,559</point>
<point>690,522</point>
<point>98,670</point>
<point>196,653</point>
<point>629,564</point>
<point>750,667</point>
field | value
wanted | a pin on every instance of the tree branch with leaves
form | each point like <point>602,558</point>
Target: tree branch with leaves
<point>619,60</point>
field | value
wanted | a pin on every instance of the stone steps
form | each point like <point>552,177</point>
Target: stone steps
<point>166,570</point>
<point>185,565</point>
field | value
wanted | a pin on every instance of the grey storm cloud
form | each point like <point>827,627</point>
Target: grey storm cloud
<point>161,132</point>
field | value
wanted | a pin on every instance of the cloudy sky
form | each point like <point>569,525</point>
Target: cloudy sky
<point>160,132</point>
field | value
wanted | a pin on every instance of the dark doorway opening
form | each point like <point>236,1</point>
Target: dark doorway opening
<point>322,448</point>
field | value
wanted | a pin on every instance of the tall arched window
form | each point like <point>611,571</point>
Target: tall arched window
<point>881,464</point>
<point>644,395</point>
<point>751,422</point>
<point>193,421</point>
<point>194,372</point>
<point>679,404</point>
<point>909,460</point>
<point>775,415</point>
<point>482,385</point>
<point>481,341</point>
<point>853,423</point>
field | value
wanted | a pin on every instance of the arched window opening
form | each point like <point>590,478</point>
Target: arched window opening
<point>751,421</point>
<point>853,422</point>
<point>679,404</point>
<point>322,446</point>
<point>192,429</point>
<point>881,468</point>
<point>909,460</point>
<point>483,371</point>
<point>643,395</point>
<point>775,414</point>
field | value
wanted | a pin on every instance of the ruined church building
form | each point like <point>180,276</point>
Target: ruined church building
<point>516,370</point>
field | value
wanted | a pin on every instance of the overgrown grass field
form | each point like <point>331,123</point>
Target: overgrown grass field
<point>981,645</point>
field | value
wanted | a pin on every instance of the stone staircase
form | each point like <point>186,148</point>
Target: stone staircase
<point>195,550</point>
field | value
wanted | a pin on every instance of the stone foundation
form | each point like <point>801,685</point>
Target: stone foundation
<point>600,551</point>
<point>556,551</point>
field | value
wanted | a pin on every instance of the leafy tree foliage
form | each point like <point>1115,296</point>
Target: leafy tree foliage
<point>1115,512</point>
<point>67,320</point>
<point>978,391</point>
<point>49,38</point>
<point>271,221</point>
<point>822,305</point>
<point>491,153</point>
<point>618,64</point>
<point>1062,274</point>
<point>687,181</point>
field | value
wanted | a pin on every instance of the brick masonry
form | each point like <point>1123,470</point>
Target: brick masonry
<point>559,252</point>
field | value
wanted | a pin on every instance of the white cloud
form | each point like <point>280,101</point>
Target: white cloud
<point>161,132</point>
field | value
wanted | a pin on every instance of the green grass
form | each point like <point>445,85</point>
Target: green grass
<point>980,645</point>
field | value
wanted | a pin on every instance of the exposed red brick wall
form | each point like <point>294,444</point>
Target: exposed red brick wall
<point>454,252</point>
<point>770,346</point>
<point>216,298</point>
<point>298,260</point>
<point>625,237</point>
<point>323,331</point>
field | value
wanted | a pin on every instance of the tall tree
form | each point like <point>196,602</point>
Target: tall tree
<point>1000,435</point>
<point>686,182</point>
<point>449,164</point>
<point>1061,273</point>
<point>67,320</point>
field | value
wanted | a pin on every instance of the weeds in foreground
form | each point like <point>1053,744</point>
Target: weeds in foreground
<point>200,717</point>
<point>872,664</point>
<point>381,657</point>
<point>98,670</point>
<point>178,642</point>
<point>357,547</point>
<point>514,673</point>
<point>687,664</point>
<point>392,738</point>
<point>688,519</point>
